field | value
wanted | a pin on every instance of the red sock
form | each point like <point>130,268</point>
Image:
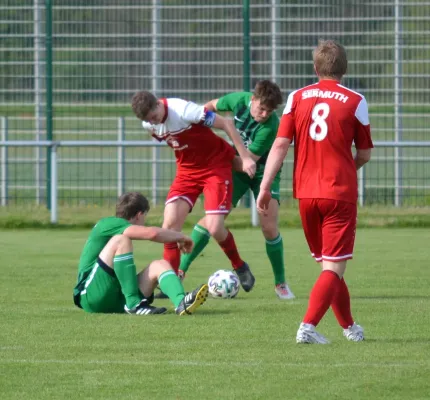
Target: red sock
<point>321,297</point>
<point>172,255</point>
<point>230,250</point>
<point>341,305</point>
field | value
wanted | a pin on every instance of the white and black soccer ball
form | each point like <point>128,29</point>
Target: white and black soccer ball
<point>223,284</point>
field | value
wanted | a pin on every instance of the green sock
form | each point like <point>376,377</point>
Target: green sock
<point>200,236</point>
<point>125,270</point>
<point>275,252</point>
<point>171,285</point>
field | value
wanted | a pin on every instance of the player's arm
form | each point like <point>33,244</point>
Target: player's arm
<point>211,105</point>
<point>273,165</point>
<point>362,137</point>
<point>277,154</point>
<point>274,162</point>
<point>237,161</point>
<point>227,125</point>
<point>159,235</point>
<point>226,102</point>
<point>362,156</point>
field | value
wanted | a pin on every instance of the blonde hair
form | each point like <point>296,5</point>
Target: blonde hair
<point>330,59</point>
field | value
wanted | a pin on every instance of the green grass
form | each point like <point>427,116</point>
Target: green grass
<point>231,349</point>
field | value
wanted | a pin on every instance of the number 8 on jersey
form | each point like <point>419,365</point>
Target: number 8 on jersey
<point>319,121</point>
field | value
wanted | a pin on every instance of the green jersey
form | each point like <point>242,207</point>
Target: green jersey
<point>258,137</point>
<point>99,236</point>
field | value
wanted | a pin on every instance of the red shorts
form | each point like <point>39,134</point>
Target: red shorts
<point>329,227</point>
<point>216,186</point>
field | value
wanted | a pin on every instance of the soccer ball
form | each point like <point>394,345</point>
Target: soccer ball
<point>223,284</point>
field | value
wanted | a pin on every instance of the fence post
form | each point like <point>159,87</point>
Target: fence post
<point>121,157</point>
<point>4,166</point>
<point>156,10</point>
<point>38,87</point>
<point>49,111</point>
<point>275,32</point>
<point>54,185</point>
<point>397,103</point>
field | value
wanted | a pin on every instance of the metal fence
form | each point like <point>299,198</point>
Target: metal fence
<point>69,68</point>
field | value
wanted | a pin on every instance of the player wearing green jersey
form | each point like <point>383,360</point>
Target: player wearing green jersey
<point>107,280</point>
<point>255,119</point>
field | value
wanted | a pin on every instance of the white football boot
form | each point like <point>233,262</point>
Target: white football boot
<point>284,292</point>
<point>308,334</point>
<point>354,333</point>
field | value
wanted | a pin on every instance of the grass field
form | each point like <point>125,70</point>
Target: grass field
<point>231,349</point>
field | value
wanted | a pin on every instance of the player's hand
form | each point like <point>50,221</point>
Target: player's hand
<point>249,166</point>
<point>186,244</point>
<point>263,201</point>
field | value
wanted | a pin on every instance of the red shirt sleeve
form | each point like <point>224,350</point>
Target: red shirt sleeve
<point>362,138</point>
<point>287,127</point>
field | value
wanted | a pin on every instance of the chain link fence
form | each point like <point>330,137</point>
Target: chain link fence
<point>105,50</point>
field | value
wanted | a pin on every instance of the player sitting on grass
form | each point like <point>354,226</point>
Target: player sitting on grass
<point>107,280</point>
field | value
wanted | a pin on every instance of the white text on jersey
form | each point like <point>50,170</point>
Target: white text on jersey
<point>326,94</point>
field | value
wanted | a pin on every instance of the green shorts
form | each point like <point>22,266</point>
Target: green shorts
<point>102,291</point>
<point>242,183</point>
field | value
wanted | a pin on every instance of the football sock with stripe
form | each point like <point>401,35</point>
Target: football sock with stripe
<point>275,252</point>
<point>200,236</point>
<point>125,270</point>
<point>230,250</point>
<point>172,254</point>
<point>171,285</point>
<point>341,306</point>
<point>321,297</point>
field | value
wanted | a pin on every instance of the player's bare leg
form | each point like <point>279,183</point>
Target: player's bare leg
<point>275,249</point>
<point>118,254</point>
<point>148,278</point>
<point>216,228</point>
<point>160,272</point>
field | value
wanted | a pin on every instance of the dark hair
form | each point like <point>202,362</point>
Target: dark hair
<point>129,204</point>
<point>268,93</point>
<point>330,59</point>
<point>143,103</point>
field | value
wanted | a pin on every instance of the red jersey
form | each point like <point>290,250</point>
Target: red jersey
<point>324,120</point>
<point>197,148</point>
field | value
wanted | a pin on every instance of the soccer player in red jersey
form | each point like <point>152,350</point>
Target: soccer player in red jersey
<point>204,165</point>
<point>324,119</point>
